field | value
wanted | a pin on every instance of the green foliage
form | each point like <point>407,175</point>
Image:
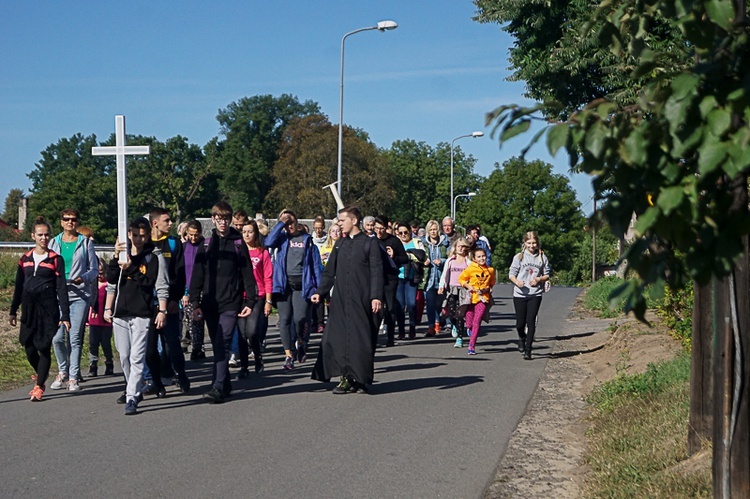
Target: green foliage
<point>520,196</point>
<point>8,267</point>
<point>605,296</point>
<point>423,172</point>
<point>676,310</point>
<point>683,140</point>
<point>308,161</point>
<point>252,128</point>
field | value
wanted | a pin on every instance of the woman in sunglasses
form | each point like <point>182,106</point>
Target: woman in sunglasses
<point>409,278</point>
<point>81,274</point>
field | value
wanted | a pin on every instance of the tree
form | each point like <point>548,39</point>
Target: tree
<point>175,176</point>
<point>423,172</point>
<point>252,129</point>
<point>520,196</point>
<point>12,200</point>
<point>68,176</point>
<point>308,161</point>
<point>564,65</point>
<point>677,157</point>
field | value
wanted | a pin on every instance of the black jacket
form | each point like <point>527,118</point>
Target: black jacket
<point>222,274</point>
<point>135,291</point>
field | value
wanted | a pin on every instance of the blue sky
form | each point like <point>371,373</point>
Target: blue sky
<point>168,66</point>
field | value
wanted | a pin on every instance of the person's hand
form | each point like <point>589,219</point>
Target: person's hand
<point>107,315</point>
<point>126,265</point>
<point>93,314</point>
<point>534,281</point>
<point>160,321</point>
<point>376,306</point>
<point>436,261</point>
<point>441,290</point>
<point>245,312</point>
<point>521,284</point>
<point>12,320</point>
<point>267,309</point>
<point>185,301</point>
<point>197,314</point>
<point>119,247</point>
<point>172,307</point>
<point>77,280</point>
<point>66,324</point>
<point>285,218</point>
<point>389,250</point>
<point>315,298</point>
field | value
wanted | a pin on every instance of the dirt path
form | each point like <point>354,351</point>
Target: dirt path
<point>544,456</point>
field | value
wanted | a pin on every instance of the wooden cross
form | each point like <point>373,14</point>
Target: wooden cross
<point>119,150</point>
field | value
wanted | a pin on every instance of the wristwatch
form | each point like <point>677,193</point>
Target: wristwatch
<point>269,302</point>
<point>163,312</point>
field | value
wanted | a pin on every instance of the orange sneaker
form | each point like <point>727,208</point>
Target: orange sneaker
<point>36,393</point>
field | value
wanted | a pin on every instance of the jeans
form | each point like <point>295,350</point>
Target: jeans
<point>406,296</point>
<point>433,305</point>
<point>220,330</point>
<point>170,338</point>
<point>249,333</point>
<point>68,350</point>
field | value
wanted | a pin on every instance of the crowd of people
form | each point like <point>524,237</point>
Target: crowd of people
<point>351,281</point>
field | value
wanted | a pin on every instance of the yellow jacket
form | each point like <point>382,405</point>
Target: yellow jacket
<point>478,277</point>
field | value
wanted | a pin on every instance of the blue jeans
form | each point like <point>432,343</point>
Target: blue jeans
<point>68,350</point>
<point>433,300</point>
<point>406,296</point>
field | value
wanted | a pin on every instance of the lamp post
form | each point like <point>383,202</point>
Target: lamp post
<point>472,134</point>
<point>381,26</point>
<point>453,206</point>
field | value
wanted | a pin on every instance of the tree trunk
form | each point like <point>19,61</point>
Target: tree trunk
<point>700,428</point>
<point>731,463</point>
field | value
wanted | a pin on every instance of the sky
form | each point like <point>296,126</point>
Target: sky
<point>169,66</point>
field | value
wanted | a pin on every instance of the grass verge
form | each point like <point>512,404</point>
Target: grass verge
<point>638,433</point>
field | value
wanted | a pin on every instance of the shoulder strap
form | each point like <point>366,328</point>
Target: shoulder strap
<point>172,243</point>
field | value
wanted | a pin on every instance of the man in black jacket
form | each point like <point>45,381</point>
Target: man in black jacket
<point>222,288</point>
<point>394,257</point>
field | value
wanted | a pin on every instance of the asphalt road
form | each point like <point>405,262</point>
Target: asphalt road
<point>435,425</point>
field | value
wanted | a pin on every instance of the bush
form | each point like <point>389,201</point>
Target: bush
<point>676,310</point>
<point>8,266</point>
<point>597,297</point>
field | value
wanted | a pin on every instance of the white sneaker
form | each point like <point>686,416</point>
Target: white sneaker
<point>233,361</point>
<point>73,386</point>
<point>60,380</point>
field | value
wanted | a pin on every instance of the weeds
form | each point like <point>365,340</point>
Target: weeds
<point>637,435</point>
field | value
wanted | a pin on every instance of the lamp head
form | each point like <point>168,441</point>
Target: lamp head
<point>472,194</point>
<point>387,25</point>
<point>477,134</point>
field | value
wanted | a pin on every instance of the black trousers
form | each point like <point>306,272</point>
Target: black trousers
<point>526,312</point>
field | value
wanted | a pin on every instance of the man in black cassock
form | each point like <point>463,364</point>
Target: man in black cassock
<point>355,272</point>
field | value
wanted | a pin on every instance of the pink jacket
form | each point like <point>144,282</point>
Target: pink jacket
<point>262,271</point>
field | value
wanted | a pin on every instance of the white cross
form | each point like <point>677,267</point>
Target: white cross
<point>120,150</point>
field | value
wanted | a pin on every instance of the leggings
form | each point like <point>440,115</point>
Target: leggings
<point>40,360</point>
<point>249,333</point>
<point>292,306</point>
<point>100,336</point>
<point>527,309</point>
<point>474,314</point>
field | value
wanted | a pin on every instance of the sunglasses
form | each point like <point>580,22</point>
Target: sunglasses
<point>69,219</point>
<point>403,233</point>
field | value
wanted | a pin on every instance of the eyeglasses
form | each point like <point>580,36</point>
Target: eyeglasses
<point>223,220</point>
<point>403,233</point>
<point>69,219</point>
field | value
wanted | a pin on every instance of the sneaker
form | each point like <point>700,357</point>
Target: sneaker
<point>79,377</point>
<point>109,369</point>
<point>454,332</point>
<point>343,387</point>
<point>131,408</point>
<point>527,355</point>
<point>36,393</point>
<point>167,381</point>
<point>122,398</point>
<point>412,332</point>
<point>401,337</point>
<point>243,374</point>
<point>459,343</point>
<point>430,332</point>
<point>358,387</point>
<point>468,333</point>
<point>472,351</point>
<point>73,386</point>
<point>93,370</point>
<point>61,380</point>
<point>215,396</point>
<point>321,328</point>
<point>521,348</point>
<point>259,366</point>
<point>233,361</point>
<point>288,364</point>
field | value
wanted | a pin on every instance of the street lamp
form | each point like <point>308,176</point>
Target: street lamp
<point>381,26</point>
<point>453,206</point>
<point>472,134</point>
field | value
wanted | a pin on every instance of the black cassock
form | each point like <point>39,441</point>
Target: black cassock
<point>355,272</point>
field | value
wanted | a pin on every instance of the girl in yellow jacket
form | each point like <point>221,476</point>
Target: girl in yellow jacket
<point>478,278</point>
